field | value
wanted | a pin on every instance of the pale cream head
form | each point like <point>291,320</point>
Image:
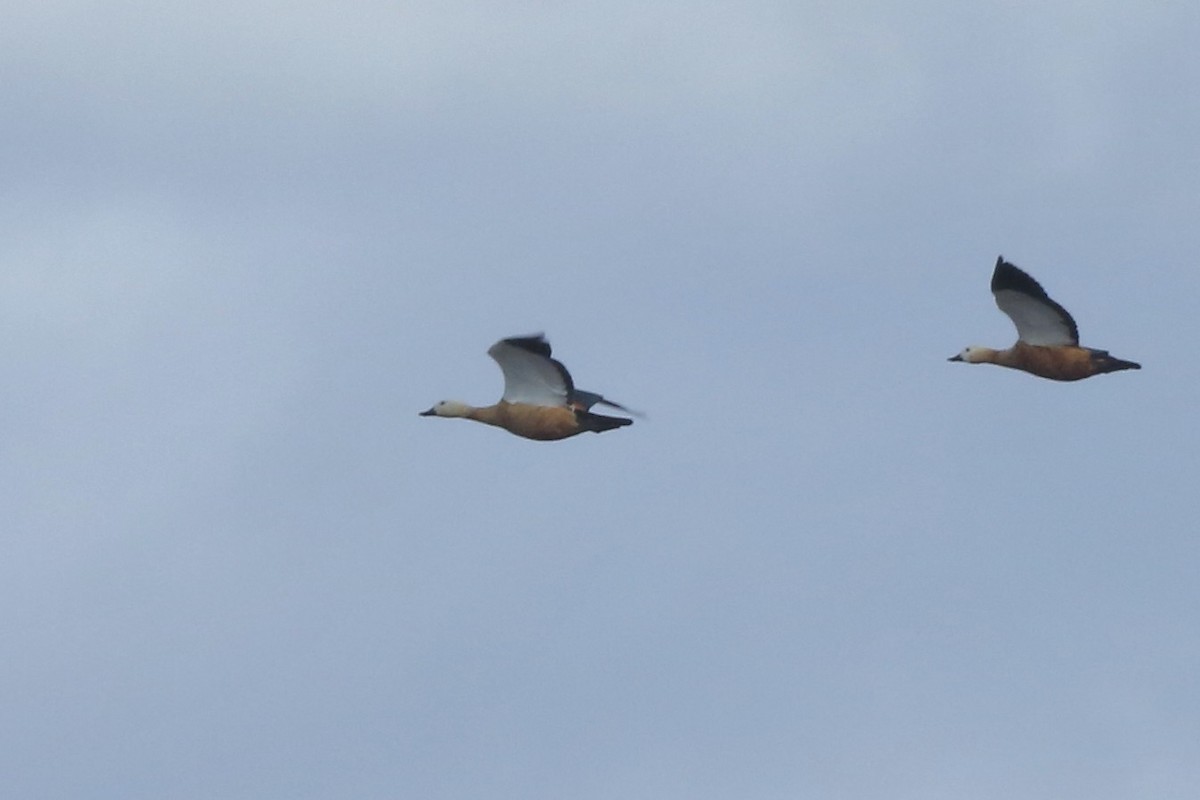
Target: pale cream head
<point>448,408</point>
<point>973,355</point>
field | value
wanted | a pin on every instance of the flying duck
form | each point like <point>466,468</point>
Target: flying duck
<point>1047,338</point>
<point>540,400</point>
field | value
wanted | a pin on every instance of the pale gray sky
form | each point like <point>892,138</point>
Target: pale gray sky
<point>245,243</point>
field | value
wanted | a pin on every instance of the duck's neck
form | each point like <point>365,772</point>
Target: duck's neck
<point>1002,357</point>
<point>489,415</point>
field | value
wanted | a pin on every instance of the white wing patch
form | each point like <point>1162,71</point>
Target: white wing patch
<point>528,377</point>
<point>1037,323</point>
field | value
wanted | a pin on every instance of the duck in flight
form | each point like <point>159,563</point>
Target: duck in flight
<point>1047,338</point>
<point>540,400</point>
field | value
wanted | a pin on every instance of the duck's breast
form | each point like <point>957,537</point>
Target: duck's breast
<point>1055,363</point>
<point>543,423</point>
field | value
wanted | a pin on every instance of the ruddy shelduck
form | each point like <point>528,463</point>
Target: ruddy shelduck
<point>540,400</point>
<point>1047,338</point>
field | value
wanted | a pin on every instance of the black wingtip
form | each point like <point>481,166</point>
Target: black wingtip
<point>1009,277</point>
<point>620,407</point>
<point>588,399</point>
<point>534,343</point>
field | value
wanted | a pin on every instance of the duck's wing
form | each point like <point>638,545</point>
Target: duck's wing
<point>531,376</point>
<point>585,400</point>
<point>1039,320</point>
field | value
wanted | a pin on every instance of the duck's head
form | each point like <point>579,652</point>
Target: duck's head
<point>971,355</point>
<point>448,408</point>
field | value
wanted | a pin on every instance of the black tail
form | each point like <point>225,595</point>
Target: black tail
<point>598,423</point>
<point>1106,363</point>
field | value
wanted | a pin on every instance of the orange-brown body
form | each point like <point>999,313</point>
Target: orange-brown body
<point>542,423</point>
<point>1059,363</point>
